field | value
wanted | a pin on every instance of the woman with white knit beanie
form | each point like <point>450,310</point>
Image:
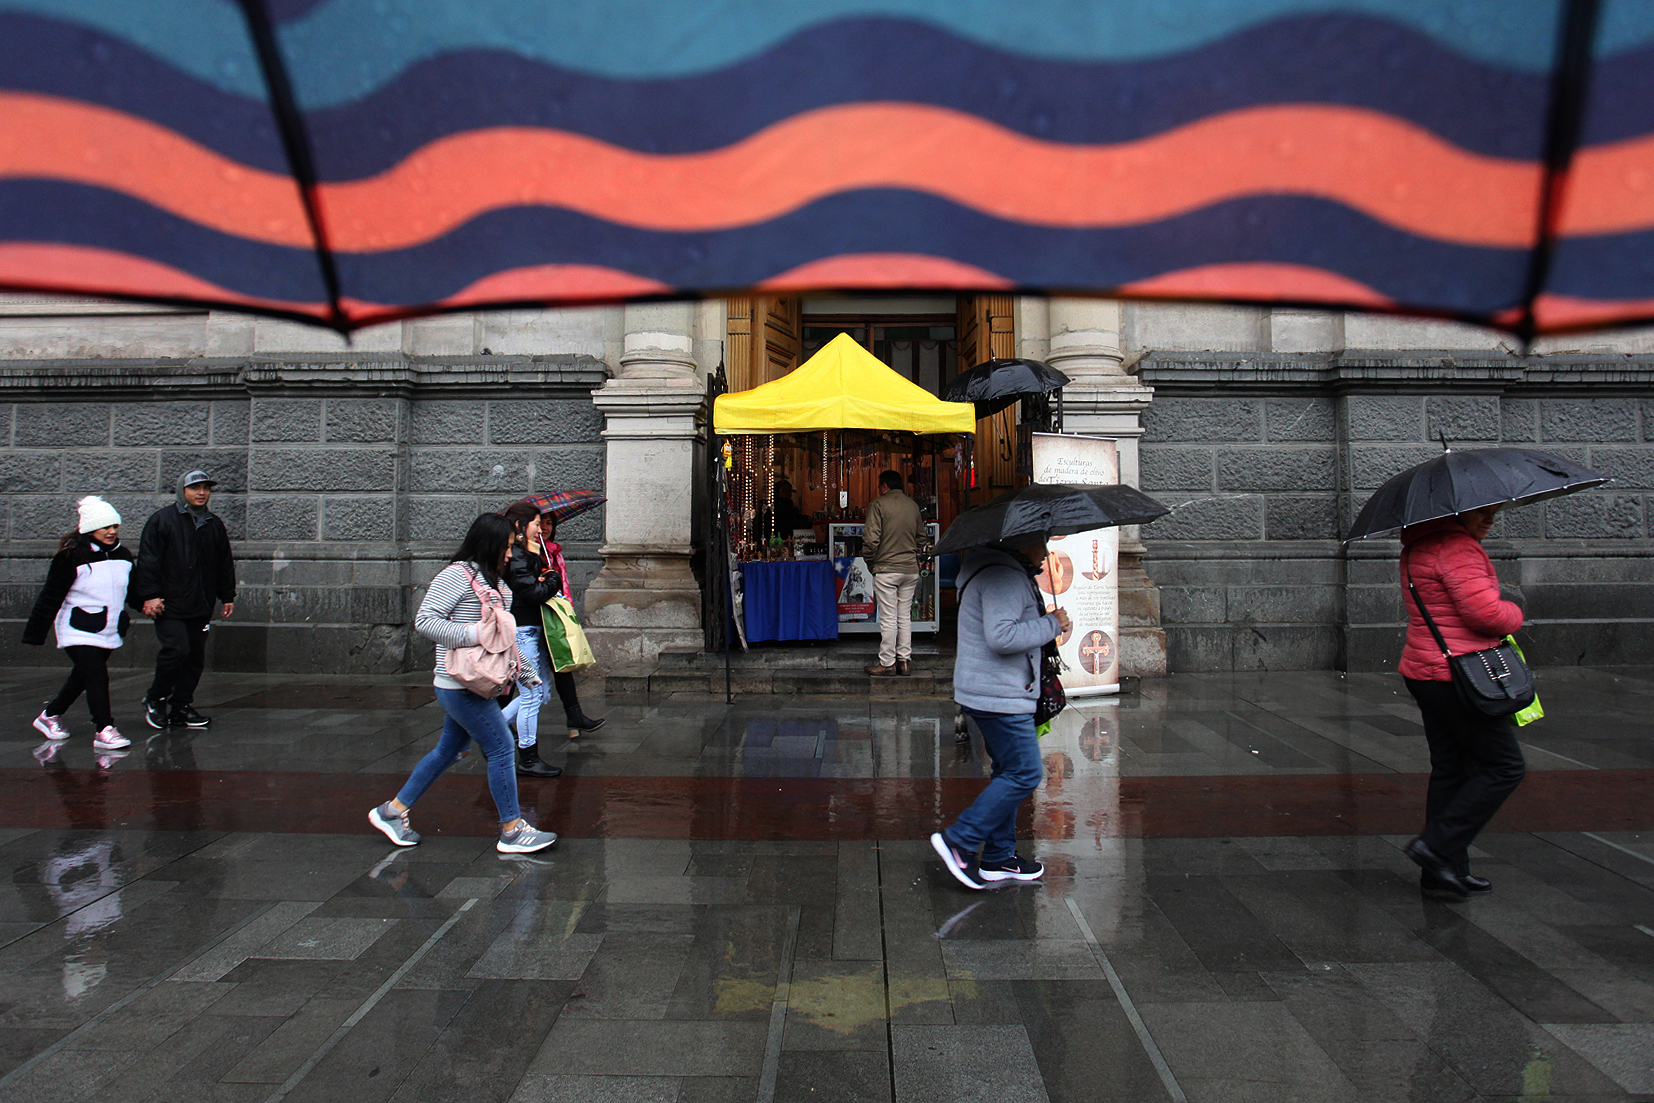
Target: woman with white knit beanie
<point>84,600</point>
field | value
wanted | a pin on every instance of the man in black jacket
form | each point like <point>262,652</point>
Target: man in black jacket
<point>184,568</point>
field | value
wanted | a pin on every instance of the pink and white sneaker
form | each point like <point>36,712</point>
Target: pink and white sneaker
<point>110,740</point>
<point>50,726</point>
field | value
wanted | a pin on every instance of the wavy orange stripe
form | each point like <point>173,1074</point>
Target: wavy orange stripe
<point>888,270</point>
<point>1562,313</point>
<point>56,139</point>
<point>84,270</point>
<point>563,283</point>
<point>1392,170</point>
<point>1258,281</point>
<point>1610,189</point>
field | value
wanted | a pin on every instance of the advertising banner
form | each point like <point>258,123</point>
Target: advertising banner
<point>1079,574</point>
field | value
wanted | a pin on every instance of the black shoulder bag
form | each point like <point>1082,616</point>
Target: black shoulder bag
<point>1052,699</point>
<point>1494,681</point>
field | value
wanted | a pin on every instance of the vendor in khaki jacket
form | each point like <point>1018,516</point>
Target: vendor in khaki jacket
<point>1475,760</point>
<point>996,679</point>
<point>890,544</point>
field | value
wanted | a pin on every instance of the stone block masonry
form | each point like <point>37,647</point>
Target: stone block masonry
<point>1266,458</point>
<point>345,482</point>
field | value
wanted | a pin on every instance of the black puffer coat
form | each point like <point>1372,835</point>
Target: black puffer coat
<point>188,566</point>
<point>529,588</point>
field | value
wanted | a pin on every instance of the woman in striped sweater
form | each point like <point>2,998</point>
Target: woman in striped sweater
<point>449,615</point>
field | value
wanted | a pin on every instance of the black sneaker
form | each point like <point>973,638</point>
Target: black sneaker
<point>1011,869</point>
<point>956,861</point>
<point>155,713</point>
<point>187,717</point>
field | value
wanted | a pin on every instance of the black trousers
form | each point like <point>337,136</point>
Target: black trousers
<point>564,681</point>
<point>182,659</point>
<point>90,676</point>
<point>1475,763</point>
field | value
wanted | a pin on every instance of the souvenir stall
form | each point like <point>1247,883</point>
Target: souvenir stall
<point>803,454</point>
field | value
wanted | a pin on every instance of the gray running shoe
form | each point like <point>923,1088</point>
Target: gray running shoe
<point>394,824</point>
<point>525,840</point>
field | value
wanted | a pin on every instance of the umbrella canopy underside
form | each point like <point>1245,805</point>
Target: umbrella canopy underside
<point>1049,509</point>
<point>1466,479</point>
<point>1365,154</point>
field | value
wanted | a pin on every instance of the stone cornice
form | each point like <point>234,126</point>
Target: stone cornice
<point>1356,370</point>
<point>366,375</point>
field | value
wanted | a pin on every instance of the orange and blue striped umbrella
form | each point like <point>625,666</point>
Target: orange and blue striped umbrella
<point>354,161</point>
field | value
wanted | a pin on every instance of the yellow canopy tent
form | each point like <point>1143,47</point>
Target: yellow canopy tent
<point>841,387</point>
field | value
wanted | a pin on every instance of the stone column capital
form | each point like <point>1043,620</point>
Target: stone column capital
<point>1085,339</point>
<point>1092,396</point>
<point>656,363</point>
<point>652,407</point>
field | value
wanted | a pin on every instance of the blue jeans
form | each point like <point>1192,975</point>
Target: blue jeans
<point>991,823</point>
<point>525,707</point>
<point>469,717</point>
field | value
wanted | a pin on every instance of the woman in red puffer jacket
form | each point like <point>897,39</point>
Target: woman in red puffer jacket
<point>1475,760</point>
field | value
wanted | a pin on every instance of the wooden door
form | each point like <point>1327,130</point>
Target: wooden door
<point>986,330</point>
<point>764,339</point>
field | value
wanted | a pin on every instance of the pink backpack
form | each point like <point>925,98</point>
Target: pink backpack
<point>488,668</point>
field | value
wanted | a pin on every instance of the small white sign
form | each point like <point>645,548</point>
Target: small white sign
<point>1079,575</point>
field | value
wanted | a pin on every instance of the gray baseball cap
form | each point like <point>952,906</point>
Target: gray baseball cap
<point>199,477</point>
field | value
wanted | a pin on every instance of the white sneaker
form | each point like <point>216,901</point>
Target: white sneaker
<point>110,740</point>
<point>50,726</point>
<point>525,840</point>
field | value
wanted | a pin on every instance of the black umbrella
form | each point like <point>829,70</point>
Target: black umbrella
<point>1049,509</point>
<point>997,383</point>
<point>1460,480</point>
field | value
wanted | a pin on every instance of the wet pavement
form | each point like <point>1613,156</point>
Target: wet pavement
<point>742,906</point>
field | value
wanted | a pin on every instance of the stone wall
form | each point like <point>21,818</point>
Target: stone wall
<point>344,481</point>
<point>1266,458</point>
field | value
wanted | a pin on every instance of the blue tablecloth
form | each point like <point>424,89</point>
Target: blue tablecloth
<point>790,600</point>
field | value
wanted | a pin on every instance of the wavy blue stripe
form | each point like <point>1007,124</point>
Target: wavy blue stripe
<point>343,49</point>
<point>205,38</point>
<point>48,212</point>
<point>1424,274</point>
<point>1291,230</point>
<point>1606,266</point>
<point>1490,111</point>
<point>1487,110</point>
<point>55,58</point>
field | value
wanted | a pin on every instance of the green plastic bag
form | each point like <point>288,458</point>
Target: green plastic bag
<point>565,639</point>
<point>1534,711</point>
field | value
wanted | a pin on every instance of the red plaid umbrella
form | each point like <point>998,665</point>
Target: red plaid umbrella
<point>564,504</point>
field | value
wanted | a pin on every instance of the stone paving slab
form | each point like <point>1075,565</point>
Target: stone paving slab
<point>150,952</point>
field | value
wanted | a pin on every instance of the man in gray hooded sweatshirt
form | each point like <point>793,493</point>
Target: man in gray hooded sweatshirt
<point>996,678</point>
<point>184,571</point>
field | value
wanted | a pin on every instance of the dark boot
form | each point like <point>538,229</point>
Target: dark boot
<point>529,764</point>
<point>580,722</point>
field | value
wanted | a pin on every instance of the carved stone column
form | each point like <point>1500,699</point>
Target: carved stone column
<point>1102,400</point>
<point>646,598</point>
